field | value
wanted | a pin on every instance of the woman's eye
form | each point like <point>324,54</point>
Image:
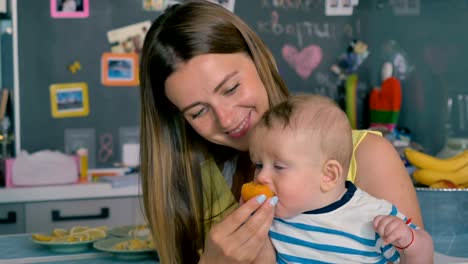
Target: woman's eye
<point>231,90</point>
<point>199,113</point>
<point>258,166</point>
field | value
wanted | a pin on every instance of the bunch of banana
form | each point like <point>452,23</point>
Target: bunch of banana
<point>431,170</point>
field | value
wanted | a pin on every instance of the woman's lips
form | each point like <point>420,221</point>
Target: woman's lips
<point>242,129</point>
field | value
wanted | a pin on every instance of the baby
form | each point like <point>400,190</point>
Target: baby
<point>302,150</point>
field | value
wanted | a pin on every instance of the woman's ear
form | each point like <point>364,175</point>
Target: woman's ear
<point>331,175</point>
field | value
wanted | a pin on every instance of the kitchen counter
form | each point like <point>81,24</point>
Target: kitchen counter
<point>21,249</point>
<point>66,192</point>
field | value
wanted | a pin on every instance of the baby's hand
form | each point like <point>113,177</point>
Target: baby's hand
<point>393,230</point>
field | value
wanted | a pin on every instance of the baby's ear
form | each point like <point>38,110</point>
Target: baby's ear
<point>331,175</point>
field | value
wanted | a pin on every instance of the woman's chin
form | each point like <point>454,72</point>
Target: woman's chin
<point>240,146</point>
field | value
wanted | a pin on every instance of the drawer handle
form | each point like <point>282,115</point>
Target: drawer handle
<point>11,218</point>
<point>56,216</point>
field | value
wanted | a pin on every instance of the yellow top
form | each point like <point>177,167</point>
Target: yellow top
<point>358,136</point>
<point>220,199</point>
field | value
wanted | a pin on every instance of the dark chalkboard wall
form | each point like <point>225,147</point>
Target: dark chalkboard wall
<point>47,47</point>
<point>432,40</point>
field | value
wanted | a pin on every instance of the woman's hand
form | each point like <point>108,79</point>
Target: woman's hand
<point>240,236</point>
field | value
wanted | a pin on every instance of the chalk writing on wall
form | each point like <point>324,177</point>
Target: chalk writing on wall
<point>106,147</point>
<point>305,36</point>
<point>299,29</point>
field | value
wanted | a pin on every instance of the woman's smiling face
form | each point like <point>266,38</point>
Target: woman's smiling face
<point>220,95</point>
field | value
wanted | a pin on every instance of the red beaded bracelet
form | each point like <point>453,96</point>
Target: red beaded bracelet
<point>411,242</point>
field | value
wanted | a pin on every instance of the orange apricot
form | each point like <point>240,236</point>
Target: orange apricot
<point>252,189</point>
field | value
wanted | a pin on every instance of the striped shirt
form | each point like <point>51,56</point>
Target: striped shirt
<point>341,232</point>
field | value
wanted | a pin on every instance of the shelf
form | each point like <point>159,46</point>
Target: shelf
<point>66,192</point>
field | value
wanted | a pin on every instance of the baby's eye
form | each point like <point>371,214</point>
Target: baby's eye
<point>279,167</point>
<point>258,166</point>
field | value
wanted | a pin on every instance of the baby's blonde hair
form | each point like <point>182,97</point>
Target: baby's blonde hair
<point>322,117</point>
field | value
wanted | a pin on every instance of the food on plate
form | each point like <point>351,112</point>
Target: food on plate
<point>134,244</point>
<point>139,231</point>
<point>75,234</point>
<point>42,237</point>
<point>252,189</point>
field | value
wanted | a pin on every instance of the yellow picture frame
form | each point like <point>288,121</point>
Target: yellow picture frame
<point>69,100</point>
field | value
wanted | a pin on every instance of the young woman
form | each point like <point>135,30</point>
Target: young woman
<point>206,79</point>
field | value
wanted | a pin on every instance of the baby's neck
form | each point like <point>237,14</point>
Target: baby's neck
<point>335,194</point>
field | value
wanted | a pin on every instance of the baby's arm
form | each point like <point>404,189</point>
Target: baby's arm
<point>414,245</point>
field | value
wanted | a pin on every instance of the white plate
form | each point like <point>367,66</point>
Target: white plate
<point>107,244</point>
<point>67,247</point>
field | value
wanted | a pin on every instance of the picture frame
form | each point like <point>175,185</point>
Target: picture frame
<point>69,100</point>
<point>119,69</point>
<point>128,39</point>
<point>69,8</point>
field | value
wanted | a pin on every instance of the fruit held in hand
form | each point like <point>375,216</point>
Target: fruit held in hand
<point>252,189</point>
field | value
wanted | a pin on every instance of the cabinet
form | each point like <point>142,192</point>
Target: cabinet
<point>43,208</point>
<point>11,218</point>
<point>45,216</point>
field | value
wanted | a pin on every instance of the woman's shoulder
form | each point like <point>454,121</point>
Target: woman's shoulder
<point>359,135</point>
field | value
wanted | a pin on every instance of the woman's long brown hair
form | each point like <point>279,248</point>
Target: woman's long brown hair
<point>171,151</point>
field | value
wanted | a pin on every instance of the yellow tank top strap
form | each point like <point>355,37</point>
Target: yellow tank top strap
<point>358,136</point>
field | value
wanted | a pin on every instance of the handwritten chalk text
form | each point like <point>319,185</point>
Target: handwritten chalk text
<point>299,30</point>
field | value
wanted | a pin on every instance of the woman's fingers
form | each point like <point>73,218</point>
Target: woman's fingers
<point>256,228</point>
<point>242,234</point>
<point>232,222</point>
<point>251,236</point>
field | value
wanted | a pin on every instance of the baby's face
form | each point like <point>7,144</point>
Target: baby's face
<point>286,161</point>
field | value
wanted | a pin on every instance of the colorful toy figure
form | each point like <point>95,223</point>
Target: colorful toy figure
<point>350,61</point>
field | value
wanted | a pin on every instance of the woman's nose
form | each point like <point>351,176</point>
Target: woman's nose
<point>224,116</point>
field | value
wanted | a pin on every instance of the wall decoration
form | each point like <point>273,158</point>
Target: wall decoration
<point>128,39</point>
<point>305,61</point>
<point>340,7</point>
<point>69,8</point>
<point>69,100</point>
<point>119,69</point>
<point>154,5</point>
<point>106,147</point>
<point>74,67</point>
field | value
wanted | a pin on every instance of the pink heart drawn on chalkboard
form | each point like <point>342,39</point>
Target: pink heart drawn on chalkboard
<point>305,61</point>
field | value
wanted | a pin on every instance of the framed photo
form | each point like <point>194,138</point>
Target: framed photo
<point>119,69</point>
<point>69,100</point>
<point>128,39</point>
<point>69,8</point>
